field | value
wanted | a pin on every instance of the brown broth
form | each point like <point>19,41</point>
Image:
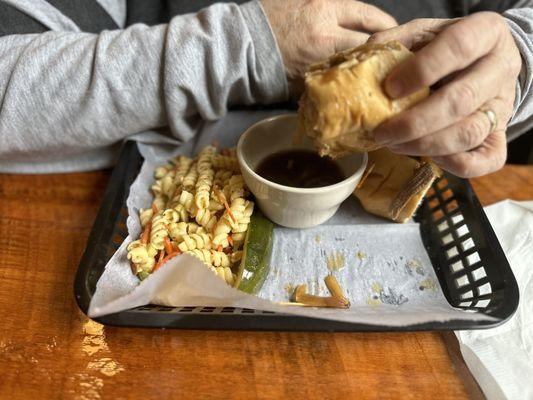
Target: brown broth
<point>300,168</point>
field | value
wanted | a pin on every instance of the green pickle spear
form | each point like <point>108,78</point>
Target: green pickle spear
<point>255,263</point>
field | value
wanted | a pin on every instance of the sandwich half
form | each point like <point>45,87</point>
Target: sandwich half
<point>344,100</point>
<point>395,184</point>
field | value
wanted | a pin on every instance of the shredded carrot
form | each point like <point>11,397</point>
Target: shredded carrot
<point>229,211</point>
<point>219,247</point>
<point>159,260</point>
<point>171,255</point>
<point>134,268</point>
<point>230,240</point>
<point>146,233</point>
<point>168,246</point>
<point>162,262</point>
<point>154,208</point>
<point>223,200</point>
<point>177,192</point>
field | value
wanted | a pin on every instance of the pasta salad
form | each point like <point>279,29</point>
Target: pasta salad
<point>201,207</point>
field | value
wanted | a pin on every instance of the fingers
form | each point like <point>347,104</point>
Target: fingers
<point>453,49</point>
<point>465,135</point>
<point>413,34</point>
<point>361,16</point>
<point>346,39</point>
<point>487,158</point>
<point>448,105</point>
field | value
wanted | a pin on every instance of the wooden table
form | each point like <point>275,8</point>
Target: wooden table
<point>49,349</point>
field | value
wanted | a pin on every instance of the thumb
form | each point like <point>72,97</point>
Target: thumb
<point>346,39</point>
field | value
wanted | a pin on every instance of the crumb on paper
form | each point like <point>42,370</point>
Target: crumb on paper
<point>414,265</point>
<point>428,284</point>
<point>289,288</point>
<point>376,287</point>
<point>318,238</point>
<point>335,261</point>
<point>389,296</point>
<point>361,255</point>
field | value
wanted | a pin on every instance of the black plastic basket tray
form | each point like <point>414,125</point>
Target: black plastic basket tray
<point>472,269</point>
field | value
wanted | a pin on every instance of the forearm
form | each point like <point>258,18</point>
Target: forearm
<point>520,22</point>
<point>67,92</point>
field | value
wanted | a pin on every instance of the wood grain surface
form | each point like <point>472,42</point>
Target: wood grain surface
<point>50,350</point>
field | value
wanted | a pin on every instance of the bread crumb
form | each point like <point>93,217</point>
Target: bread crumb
<point>428,284</point>
<point>289,288</point>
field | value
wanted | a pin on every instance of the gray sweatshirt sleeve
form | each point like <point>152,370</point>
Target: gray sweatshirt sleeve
<point>520,22</point>
<point>64,93</point>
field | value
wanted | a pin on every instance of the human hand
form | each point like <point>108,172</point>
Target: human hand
<point>462,124</point>
<point>308,31</point>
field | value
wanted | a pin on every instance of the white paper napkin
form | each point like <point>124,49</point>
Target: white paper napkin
<point>501,359</point>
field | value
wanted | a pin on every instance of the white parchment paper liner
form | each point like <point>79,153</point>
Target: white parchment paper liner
<point>383,267</point>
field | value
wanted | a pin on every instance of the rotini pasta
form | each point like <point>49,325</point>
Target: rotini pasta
<point>189,180</point>
<point>199,208</point>
<point>140,256</point>
<point>226,162</point>
<point>206,219</point>
<point>159,203</point>
<point>162,171</point>
<point>234,188</point>
<point>177,230</point>
<point>159,231</point>
<point>205,177</point>
<point>195,241</point>
<point>183,164</point>
<point>221,178</point>
<point>182,212</point>
<point>186,199</point>
<point>145,216</point>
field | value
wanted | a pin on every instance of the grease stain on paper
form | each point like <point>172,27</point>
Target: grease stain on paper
<point>374,299</point>
<point>335,261</point>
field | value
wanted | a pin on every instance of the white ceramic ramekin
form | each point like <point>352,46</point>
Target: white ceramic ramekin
<point>289,206</point>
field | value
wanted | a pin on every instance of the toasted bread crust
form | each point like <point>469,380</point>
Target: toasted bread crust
<point>344,98</point>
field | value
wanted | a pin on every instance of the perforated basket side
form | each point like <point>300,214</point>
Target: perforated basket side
<point>109,229</point>
<point>470,264</point>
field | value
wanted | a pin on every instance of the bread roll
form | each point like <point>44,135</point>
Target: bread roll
<point>344,101</point>
<point>395,184</point>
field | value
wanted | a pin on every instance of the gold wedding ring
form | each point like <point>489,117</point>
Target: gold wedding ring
<point>491,115</point>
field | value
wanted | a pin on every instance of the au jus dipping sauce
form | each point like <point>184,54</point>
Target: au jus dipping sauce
<point>300,168</point>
